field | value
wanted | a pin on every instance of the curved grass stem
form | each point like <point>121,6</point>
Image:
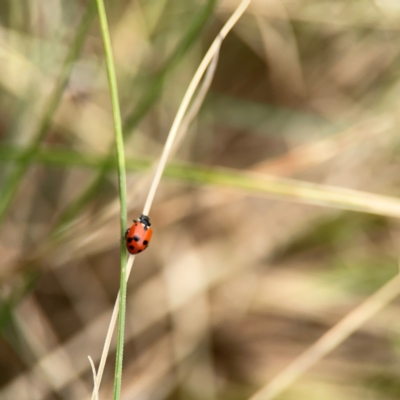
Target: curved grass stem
<point>212,51</point>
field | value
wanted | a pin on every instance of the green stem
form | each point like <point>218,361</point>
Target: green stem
<point>119,139</point>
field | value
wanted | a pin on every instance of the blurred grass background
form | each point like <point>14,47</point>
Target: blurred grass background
<point>236,283</point>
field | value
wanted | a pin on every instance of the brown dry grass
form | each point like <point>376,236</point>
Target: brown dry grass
<point>235,286</point>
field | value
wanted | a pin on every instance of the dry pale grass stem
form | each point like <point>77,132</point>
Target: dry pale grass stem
<point>213,50</point>
<point>96,391</point>
<point>110,331</point>
<point>330,340</point>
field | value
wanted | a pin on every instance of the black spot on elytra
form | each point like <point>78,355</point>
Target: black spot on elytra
<point>131,247</point>
<point>139,251</point>
<point>129,240</point>
<point>145,242</point>
<point>136,238</point>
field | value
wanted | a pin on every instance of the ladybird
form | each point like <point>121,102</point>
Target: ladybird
<point>139,235</point>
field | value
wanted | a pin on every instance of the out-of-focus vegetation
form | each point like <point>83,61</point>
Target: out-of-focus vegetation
<point>245,270</point>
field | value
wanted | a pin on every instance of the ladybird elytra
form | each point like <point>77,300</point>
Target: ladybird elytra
<point>138,236</point>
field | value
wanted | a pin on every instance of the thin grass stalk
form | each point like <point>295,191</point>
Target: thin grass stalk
<point>11,186</point>
<point>330,340</point>
<point>194,108</point>
<point>94,375</point>
<point>213,50</point>
<point>119,139</point>
<point>110,331</point>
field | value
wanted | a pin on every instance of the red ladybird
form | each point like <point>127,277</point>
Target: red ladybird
<point>139,235</point>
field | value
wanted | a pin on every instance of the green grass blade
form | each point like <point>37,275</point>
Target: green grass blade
<point>241,181</point>
<point>119,139</point>
<point>11,185</point>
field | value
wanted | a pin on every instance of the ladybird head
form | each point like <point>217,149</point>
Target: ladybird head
<point>145,220</point>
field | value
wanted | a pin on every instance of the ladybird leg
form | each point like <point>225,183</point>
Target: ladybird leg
<point>124,238</point>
